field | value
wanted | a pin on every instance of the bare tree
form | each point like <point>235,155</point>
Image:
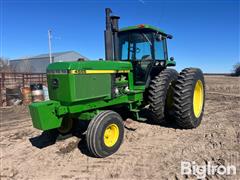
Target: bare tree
<point>4,65</point>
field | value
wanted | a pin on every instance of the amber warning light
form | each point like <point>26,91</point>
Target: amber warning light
<point>141,26</point>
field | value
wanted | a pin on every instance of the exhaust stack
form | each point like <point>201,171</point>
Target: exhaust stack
<point>111,36</point>
<point>115,30</point>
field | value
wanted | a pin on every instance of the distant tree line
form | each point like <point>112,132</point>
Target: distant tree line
<point>236,69</point>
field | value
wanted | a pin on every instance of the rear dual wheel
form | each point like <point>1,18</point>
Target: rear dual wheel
<point>105,134</point>
<point>160,96</point>
<point>178,98</point>
<point>189,98</point>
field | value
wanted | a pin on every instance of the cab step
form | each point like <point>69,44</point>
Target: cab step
<point>137,116</point>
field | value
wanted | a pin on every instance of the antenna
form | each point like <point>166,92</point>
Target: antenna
<point>50,44</point>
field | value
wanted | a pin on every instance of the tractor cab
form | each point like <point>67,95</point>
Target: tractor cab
<point>143,45</point>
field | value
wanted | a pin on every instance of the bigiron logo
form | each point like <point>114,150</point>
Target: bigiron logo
<point>210,169</point>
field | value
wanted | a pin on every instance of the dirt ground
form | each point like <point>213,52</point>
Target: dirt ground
<point>149,152</point>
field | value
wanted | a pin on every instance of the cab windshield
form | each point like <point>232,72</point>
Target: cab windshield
<point>142,49</point>
<point>139,46</point>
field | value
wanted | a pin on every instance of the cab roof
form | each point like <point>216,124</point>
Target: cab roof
<point>143,26</point>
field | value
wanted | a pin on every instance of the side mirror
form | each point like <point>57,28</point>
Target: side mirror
<point>171,58</point>
<point>169,36</point>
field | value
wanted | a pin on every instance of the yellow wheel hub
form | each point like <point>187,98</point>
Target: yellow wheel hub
<point>198,98</point>
<point>111,135</point>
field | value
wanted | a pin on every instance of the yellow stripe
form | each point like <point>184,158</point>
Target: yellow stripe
<point>97,71</point>
<point>100,71</point>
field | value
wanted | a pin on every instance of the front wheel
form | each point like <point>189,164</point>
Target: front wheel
<point>105,134</point>
<point>189,98</point>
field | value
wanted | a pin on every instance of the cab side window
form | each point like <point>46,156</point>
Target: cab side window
<point>159,50</point>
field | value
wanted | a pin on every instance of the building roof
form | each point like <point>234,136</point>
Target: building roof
<point>39,63</point>
<point>53,54</point>
<point>47,55</point>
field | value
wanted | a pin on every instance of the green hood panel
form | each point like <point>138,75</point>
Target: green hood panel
<point>91,65</point>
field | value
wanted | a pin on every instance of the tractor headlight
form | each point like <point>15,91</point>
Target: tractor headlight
<point>162,63</point>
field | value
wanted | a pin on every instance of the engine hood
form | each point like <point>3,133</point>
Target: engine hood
<point>88,65</point>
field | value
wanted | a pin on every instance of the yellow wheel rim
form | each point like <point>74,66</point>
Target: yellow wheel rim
<point>198,98</point>
<point>111,135</point>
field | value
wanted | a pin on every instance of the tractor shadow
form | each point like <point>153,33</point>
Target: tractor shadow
<point>169,124</point>
<point>82,146</point>
<point>50,137</point>
<point>47,138</point>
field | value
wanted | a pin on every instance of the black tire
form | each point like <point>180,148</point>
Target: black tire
<point>160,94</point>
<point>185,88</point>
<point>66,126</point>
<point>95,137</point>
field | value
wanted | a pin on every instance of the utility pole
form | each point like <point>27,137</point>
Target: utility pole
<point>50,45</point>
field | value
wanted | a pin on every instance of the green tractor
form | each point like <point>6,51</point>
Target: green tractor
<point>134,77</point>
